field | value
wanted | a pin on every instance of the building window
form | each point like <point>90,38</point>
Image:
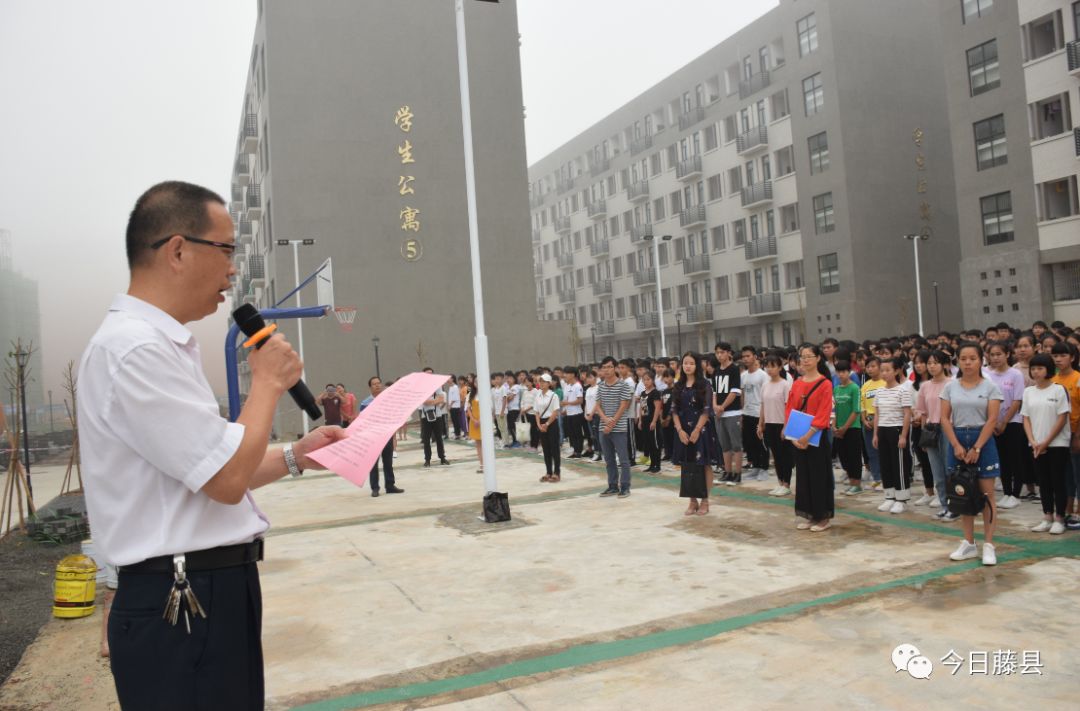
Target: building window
<point>719,239</point>
<point>1066,279</point>
<point>711,139</point>
<point>715,189</point>
<point>807,29</point>
<point>990,147</point>
<point>658,209</point>
<point>823,214</point>
<point>793,276</point>
<point>975,8</point>
<point>997,218</point>
<point>742,285</point>
<point>983,70</point>
<point>723,290</point>
<point>819,153</point>
<point>814,94</point>
<point>829,273</point>
<point>739,231</point>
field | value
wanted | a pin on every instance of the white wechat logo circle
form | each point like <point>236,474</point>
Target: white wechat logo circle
<point>902,655</point>
<point>920,667</point>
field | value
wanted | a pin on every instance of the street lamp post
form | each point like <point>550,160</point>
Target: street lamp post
<point>375,342</point>
<point>659,290</point>
<point>937,308</point>
<point>50,412</point>
<point>299,322</point>
<point>678,326</point>
<point>915,239</point>
<point>593,329</point>
<point>22,358</point>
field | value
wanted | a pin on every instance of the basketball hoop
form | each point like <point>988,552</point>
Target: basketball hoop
<point>345,316</point>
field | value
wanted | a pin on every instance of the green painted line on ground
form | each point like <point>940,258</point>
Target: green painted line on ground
<point>588,654</point>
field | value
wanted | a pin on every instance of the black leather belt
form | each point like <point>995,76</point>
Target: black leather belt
<point>210,559</point>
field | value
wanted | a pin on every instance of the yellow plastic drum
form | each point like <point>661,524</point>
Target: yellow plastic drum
<point>73,593</point>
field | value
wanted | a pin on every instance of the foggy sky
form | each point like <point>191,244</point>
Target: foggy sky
<point>101,100</point>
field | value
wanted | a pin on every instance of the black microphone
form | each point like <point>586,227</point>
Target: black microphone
<point>250,321</point>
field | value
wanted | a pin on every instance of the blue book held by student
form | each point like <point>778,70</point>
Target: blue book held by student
<point>798,424</point>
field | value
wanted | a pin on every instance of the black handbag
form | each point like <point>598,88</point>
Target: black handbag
<point>693,483</point>
<point>496,507</point>
<point>963,496</point>
<point>929,436</point>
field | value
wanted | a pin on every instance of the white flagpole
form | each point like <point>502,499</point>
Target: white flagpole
<point>483,370</point>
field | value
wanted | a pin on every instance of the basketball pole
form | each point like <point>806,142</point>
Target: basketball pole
<point>299,322</point>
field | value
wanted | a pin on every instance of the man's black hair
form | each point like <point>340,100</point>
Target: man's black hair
<point>166,209</point>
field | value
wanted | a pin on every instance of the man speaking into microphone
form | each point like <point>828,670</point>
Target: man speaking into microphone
<point>168,480</point>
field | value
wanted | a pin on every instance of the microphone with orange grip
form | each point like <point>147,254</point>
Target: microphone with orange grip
<point>251,322</point>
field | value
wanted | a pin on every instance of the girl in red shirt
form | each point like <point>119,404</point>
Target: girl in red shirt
<point>812,394</point>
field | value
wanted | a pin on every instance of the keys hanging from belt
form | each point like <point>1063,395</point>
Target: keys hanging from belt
<point>181,597</point>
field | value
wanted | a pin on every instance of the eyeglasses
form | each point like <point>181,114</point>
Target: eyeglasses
<point>229,247</point>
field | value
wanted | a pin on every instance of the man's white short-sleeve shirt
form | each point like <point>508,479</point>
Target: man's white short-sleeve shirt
<point>151,435</point>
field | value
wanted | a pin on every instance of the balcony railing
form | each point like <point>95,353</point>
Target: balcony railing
<point>1072,52</point>
<point>604,328</point>
<point>599,166</point>
<point>243,232</point>
<point>756,137</point>
<point>757,193</point>
<point>638,191</point>
<point>756,82</point>
<point>763,304</point>
<point>638,145</point>
<point>762,248</point>
<point>238,195</point>
<point>535,236</point>
<point>697,263</point>
<point>562,224</point>
<point>564,185</point>
<point>648,322</point>
<point>257,268</point>
<point>538,269</point>
<point>701,313</point>
<point>600,248</point>
<point>567,297</point>
<point>539,303</point>
<point>598,209</point>
<point>692,216</point>
<point>1076,139</point>
<point>640,232</point>
<point>254,201</point>
<point>243,169</point>
<point>249,136</point>
<point>645,277</point>
<point>688,169</point>
<point>601,288</point>
<point>565,260</point>
<point>691,117</point>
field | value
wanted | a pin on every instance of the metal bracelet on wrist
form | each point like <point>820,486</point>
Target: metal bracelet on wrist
<point>290,461</point>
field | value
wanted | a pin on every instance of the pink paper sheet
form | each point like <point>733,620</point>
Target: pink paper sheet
<point>353,457</point>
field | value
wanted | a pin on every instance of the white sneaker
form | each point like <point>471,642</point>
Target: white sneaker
<point>924,500</point>
<point>783,491</point>
<point>1058,528</point>
<point>886,505</point>
<point>774,492</point>
<point>989,556</point>
<point>395,455</point>
<point>898,507</point>
<point>964,551</point>
<point>1009,502</point>
<point>1042,527</point>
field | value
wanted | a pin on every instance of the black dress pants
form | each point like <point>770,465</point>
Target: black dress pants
<point>428,430</point>
<point>160,666</point>
<point>388,466</point>
<point>552,455</point>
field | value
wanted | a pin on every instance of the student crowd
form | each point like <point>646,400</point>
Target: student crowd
<point>1004,401</point>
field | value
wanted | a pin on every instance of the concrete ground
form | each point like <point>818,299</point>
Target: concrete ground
<point>408,601</point>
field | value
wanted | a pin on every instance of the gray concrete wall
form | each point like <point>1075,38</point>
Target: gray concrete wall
<point>1022,254</point>
<point>337,72</point>
<point>883,80</point>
